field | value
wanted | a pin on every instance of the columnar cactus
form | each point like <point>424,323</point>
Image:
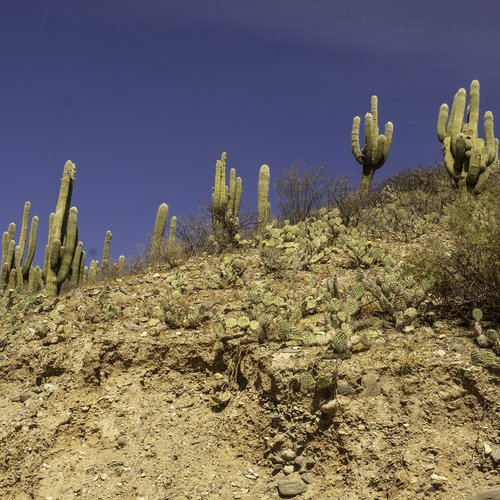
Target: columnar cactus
<point>263,205</point>
<point>171,231</point>
<point>76,265</point>
<point>376,148</point>
<point>226,201</point>
<point>468,158</point>
<point>158,232</point>
<point>63,236</point>
<point>105,252</point>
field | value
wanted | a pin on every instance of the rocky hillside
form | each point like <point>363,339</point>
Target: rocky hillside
<point>276,371</point>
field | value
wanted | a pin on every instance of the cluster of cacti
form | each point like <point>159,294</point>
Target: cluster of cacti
<point>376,149</point>
<point>157,247</point>
<point>302,245</point>
<point>400,297</point>
<point>226,201</point>
<point>468,158</point>
<point>340,310</point>
<point>489,338</point>
<point>17,261</point>
<point>363,253</point>
<point>228,272</point>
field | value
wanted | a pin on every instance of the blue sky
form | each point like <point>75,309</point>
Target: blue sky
<point>144,95</point>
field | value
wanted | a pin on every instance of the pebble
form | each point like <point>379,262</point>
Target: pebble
<point>307,477</point>
<point>372,385</point>
<point>121,441</point>
<point>288,469</point>
<point>495,455</point>
<point>288,454</point>
<point>487,449</point>
<point>483,341</point>
<point>130,325</point>
<point>291,487</point>
<point>344,389</point>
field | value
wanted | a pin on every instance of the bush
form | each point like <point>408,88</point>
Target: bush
<point>465,264</point>
<point>301,192</point>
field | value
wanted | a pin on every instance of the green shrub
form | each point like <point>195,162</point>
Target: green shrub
<point>465,261</point>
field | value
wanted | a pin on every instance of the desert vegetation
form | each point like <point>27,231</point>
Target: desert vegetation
<point>339,273</point>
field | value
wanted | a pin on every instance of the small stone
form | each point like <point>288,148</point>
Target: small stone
<point>121,441</point>
<point>300,460</point>
<point>291,487</point>
<point>307,477</point>
<point>440,353</point>
<point>130,325</point>
<point>288,469</point>
<point>457,346</point>
<point>487,449</point>
<point>372,385</point>
<point>344,389</point>
<point>288,454</point>
<point>495,455</point>
<point>438,480</point>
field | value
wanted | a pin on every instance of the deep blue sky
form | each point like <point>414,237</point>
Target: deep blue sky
<point>144,95</point>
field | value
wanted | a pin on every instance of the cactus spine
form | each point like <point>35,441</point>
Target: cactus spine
<point>158,232</point>
<point>376,148</point>
<point>467,157</point>
<point>63,235</point>
<point>263,205</point>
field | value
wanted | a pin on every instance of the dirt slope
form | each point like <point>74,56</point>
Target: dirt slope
<point>105,396</point>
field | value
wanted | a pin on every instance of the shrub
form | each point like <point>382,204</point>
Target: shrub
<point>466,262</point>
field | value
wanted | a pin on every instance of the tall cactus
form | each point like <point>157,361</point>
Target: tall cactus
<point>226,201</point>
<point>376,148</point>
<point>263,205</point>
<point>63,235</point>
<point>158,232</point>
<point>105,251</point>
<point>468,158</point>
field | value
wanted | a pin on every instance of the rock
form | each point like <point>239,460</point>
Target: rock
<point>21,398</point>
<point>489,494</point>
<point>483,341</point>
<point>121,441</point>
<point>130,325</point>
<point>344,389</point>
<point>495,455</point>
<point>288,454</point>
<point>372,385</point>
<point>487,449</point>
<point>291,487</point>
<point>288,469</point>
<point>307,477</point>
<point>457,346</point>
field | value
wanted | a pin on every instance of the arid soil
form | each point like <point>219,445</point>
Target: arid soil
<point>104,396</point>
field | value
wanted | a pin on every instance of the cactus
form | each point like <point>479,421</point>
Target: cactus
<point>105,251</point>
<point>171,231</point>
<point>158,232</point>
<point>76,265</point>
<point>63,236</point>
<point>226,202</point>
<point>376,149</point>
<point>263,205</point>
<point>468,158</point>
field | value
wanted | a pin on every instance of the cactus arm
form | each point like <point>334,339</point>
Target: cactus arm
<point>81,271</point>
<point>489,136</point>
<point>24,228</point>
<point>356,148</point>
<point>28,261</point>
<point>374,112</point>
<point>473,112</point>
<point>442,120</point>
<point>456,121</point>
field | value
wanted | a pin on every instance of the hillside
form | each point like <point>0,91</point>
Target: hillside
<point>223,378</point>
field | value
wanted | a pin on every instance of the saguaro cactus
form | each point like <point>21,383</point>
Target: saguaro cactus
<point>105,251</point>
<point>468,158</point>
<point>263,205</point>
<point>158,232</point>
<point>63,235</point>
<point>226,201</point>
<point>376,148</point>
